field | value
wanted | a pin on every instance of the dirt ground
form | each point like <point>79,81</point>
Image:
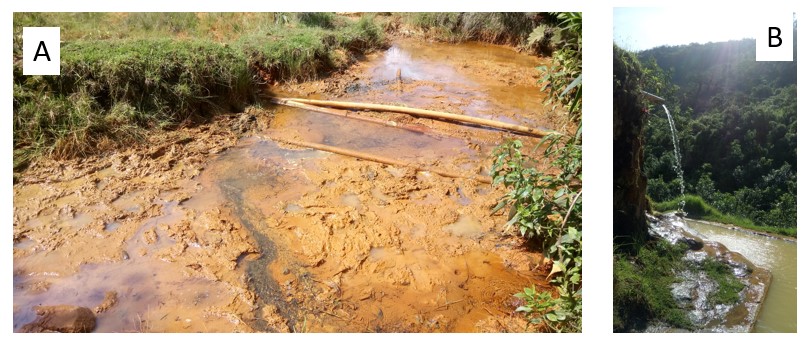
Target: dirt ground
<point>217,228</point>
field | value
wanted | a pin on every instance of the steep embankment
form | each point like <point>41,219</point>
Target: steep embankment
<point>630,203</point>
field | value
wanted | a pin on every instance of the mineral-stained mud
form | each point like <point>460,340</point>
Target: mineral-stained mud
<point>85,228</point>
<point>209,229</point>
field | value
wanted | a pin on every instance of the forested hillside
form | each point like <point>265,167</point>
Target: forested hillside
<point>737,127</point>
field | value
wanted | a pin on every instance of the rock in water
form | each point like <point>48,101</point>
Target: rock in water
<point>62,318</point>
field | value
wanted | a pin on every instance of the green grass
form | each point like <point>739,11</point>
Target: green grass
<point>729,287</point>
<point>510,28</point>
<point>642,287</point>
<point>125,74</point>
<point>109,90</point>
<point>697,208</point>
<point>306,52</point>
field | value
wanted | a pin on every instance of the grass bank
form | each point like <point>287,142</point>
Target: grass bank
<point>510,28</point>
<point>642,286</point>
<point>124,74</point>
<point>696,207</point>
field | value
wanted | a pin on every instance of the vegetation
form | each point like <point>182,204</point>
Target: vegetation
<point>125,74</point>
<point>642,287</point>
<point>564,78</point>
<point>645,269</point>
<point>547,206</point>
<point>512,28</point>
<point>696,207</point>
<point>729,287</point>
<point>737,126</point>
<point>110,90</point>
<point>306,52</point>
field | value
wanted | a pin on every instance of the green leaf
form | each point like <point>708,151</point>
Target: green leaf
<point>537,35</point>
<point>499,206</point>
<point>524,309</point>
<point>574,83</point>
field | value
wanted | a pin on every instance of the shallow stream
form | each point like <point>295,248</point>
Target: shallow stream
<point>779,310</point>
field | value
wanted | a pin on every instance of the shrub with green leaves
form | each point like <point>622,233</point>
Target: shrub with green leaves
<point>547,207</point>
<point>564,79</point>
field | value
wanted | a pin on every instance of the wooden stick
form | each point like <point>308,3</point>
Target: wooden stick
<point>347,114</point>
<point>375,158</point>
<point>425,113</point>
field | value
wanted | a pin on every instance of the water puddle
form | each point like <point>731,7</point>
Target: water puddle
<point>467,227</point>
<point>112,226</point>
<point>145,300</point>
<point>447,72</point>
<point>129,202</point>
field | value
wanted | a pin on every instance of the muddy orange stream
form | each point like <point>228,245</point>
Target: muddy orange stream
<point>266,237</point>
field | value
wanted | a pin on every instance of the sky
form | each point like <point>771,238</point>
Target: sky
<point>638,29</point>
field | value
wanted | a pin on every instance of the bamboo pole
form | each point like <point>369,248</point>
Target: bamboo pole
<point>347,114</point>
<point>375,158</point>
<point>425,113</point>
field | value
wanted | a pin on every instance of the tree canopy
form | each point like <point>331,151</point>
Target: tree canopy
<point>737,126</point>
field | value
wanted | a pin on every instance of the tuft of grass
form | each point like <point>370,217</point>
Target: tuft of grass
<point>729,287</point>
<point>696,207</point>
<point>325,20</point>
<point>303,53</point>
<point>159,22</point>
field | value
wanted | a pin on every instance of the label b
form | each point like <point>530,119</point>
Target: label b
<point>774,37</point>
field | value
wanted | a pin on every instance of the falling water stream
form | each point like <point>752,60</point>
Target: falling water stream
<point>677,165</point>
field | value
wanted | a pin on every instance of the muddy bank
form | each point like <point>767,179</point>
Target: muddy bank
<point>119,223</point>
<point>212,229</point>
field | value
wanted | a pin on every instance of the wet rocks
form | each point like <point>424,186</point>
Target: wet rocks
<point>694,244</point>
<point>694,289</point>
<point>62,318</point>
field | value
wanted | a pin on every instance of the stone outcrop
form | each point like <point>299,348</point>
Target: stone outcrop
<point>630,184</point>
<point>62,318</point>
<point>694,289</point>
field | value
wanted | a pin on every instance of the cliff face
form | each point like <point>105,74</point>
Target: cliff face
<point>630,184</point>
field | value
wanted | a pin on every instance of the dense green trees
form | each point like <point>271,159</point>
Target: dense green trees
<point>737,125</point>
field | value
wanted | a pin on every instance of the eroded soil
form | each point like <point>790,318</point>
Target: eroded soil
<point>215,229</point>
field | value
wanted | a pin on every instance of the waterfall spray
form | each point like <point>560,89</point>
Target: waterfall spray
<point>677,165</point>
